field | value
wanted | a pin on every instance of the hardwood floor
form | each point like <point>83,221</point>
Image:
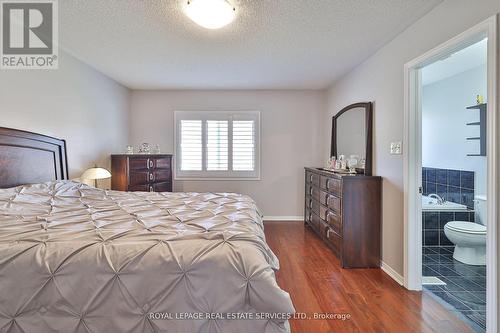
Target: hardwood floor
<point>376,303</point>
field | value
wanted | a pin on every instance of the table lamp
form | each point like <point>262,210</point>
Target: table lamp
<point>96,173</point>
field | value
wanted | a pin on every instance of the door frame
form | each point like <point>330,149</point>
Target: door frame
<point>413,160</point>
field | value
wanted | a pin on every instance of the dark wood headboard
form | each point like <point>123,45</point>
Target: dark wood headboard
<point>27,158</point>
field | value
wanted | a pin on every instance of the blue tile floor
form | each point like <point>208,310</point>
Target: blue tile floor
<point>465,289</point>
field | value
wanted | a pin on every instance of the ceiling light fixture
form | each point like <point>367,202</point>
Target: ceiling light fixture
<point>210,14</point>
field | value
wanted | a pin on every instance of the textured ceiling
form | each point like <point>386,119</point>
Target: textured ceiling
<point>272,44</point>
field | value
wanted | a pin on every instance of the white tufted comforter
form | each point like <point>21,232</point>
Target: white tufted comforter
<point>78,259</point>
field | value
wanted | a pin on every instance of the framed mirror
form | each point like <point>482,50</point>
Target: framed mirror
<point>352,135</point>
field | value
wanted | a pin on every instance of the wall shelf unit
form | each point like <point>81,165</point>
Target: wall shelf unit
<point>482,128</point>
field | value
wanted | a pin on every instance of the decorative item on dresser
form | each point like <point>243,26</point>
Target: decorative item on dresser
<point>141,172</point>
<point>345,211</point>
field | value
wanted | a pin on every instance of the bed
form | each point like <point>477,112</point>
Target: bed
<point>74,258</point>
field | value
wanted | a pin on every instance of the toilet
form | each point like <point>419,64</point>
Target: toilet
<point>469,237</point>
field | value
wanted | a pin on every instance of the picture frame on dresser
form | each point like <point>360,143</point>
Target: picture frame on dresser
<point>141,172</point>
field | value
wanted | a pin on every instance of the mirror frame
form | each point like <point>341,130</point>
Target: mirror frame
<point>368,106</point>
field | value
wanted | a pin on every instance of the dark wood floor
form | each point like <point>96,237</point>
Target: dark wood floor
<point>376,303</point>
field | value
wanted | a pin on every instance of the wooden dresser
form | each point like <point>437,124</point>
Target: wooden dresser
<point>345,211</point>
<point>151,173</point>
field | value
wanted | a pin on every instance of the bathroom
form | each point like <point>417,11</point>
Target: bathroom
<point>454,183</point>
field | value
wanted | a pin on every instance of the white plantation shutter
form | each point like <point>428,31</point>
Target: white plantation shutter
<point>191,145</point>
<point>217,145</point>
<point>243,145</point>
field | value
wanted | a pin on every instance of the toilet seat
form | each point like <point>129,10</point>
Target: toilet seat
<point>466,227</point>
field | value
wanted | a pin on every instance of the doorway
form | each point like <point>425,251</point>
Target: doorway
<point>451,175</point>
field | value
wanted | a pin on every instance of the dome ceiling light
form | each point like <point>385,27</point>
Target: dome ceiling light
<point>210,14</point>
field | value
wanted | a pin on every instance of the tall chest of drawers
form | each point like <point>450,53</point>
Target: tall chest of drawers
<point>151,173</point>
<point>345,212</point>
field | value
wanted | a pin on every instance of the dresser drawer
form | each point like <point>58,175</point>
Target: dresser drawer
<point>307,215</point>
<point>330,201</point>
<point>334,221</point>
<point>323,227</point>
<point>312,205</point>
<point>154,187</point>
<point>312,191</point>
<point>140,177</point>
<point>333,202</point>
<point>312,178</point>
<point>162,163</point>
<point>162,187</point>
<point>161,175</point>
<point>138,163</point>
<point>139,188</point>
<point>312,219</point>
<point>315,220</point>
<point>322,212</point>
<point>334,240</point>
<point>323,196</point>
<point>331,185</point>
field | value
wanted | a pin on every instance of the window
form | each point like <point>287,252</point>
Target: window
<point>217,145</point>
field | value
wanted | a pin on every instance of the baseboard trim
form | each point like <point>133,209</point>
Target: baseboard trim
<point>284,218</point>
<point>392,273</point>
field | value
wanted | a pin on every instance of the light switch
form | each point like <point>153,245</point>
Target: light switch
<point>396,148</point>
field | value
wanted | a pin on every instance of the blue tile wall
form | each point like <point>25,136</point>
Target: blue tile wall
<point>433,225</point>
<point>452,185</point>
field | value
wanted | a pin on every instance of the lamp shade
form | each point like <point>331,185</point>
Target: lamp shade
<point>96,173</point>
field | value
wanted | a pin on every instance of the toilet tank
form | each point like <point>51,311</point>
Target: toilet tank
<point>480,209</point>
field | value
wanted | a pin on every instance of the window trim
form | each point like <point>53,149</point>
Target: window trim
<point>217,115</point>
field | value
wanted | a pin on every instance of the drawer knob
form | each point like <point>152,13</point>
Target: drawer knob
<point>151,189</point>
<point>310,203</point>
<point>310,190</point>
<point>151,176</point>
<point>328,184</point>
<point>150,163</point>
<point>328,233</point>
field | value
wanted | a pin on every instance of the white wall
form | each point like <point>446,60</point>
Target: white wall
<point>290,138</point>
<point>380,79</point>
<point>74,102</point>
<point>444,129</point>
